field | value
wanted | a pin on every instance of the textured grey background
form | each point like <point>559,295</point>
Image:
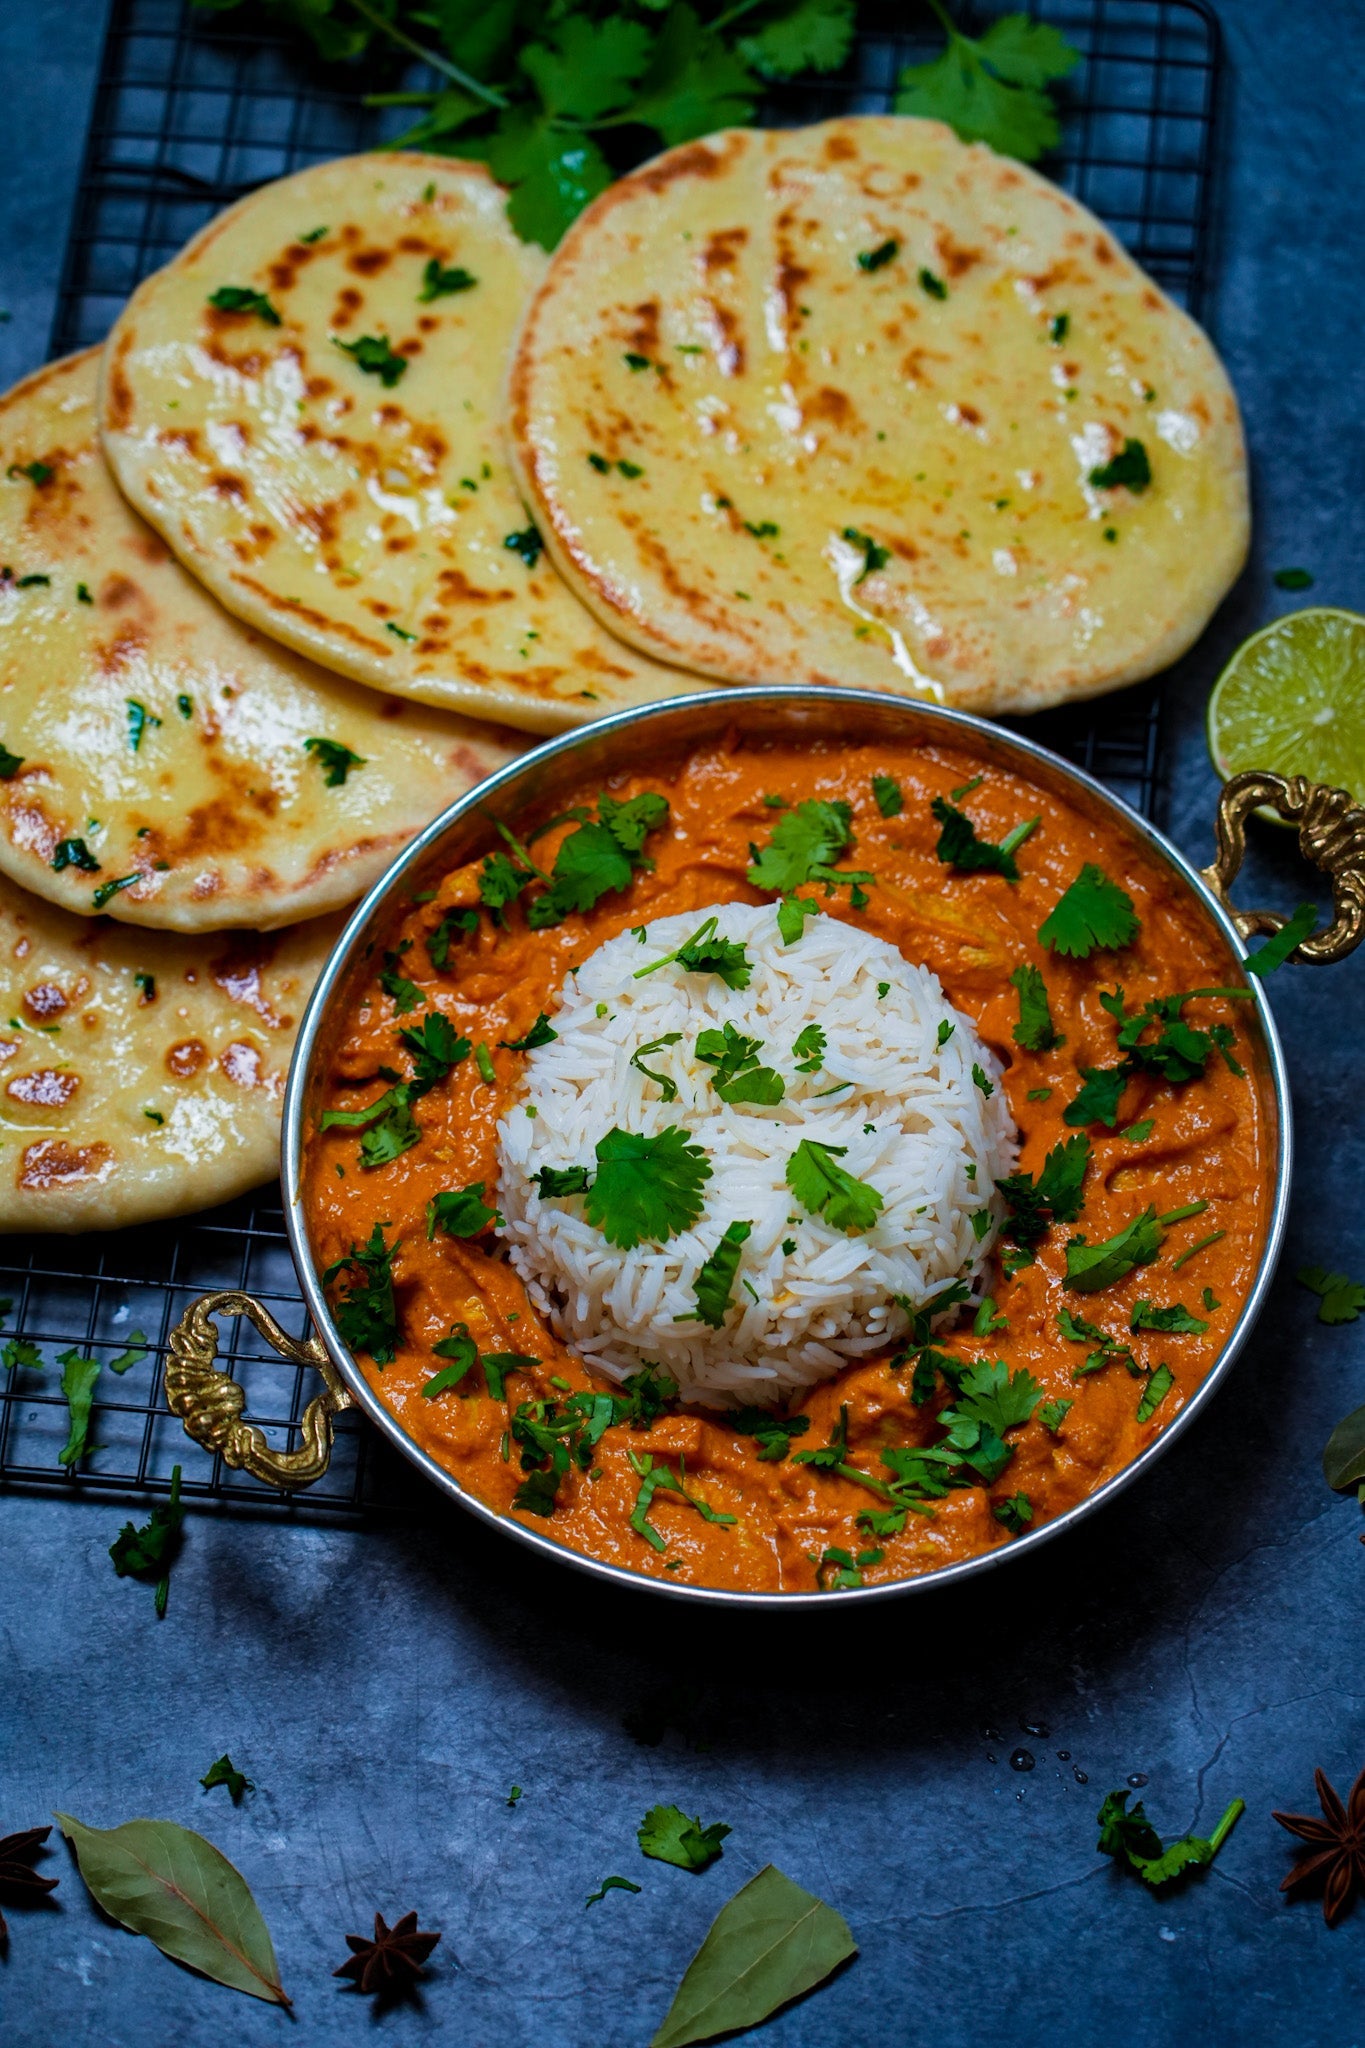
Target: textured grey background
<point>385,1689</point>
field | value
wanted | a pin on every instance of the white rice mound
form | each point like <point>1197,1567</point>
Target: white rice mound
<point>936,1147</point>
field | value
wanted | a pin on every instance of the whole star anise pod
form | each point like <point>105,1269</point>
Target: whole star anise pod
<point>394,1958</point>
<point>1338,1854</point>
<point>19,1881</point>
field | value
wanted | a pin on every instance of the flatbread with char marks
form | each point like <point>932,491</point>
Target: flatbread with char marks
<point>859,403</point>
<point>158,760</point>
<point>307,405</point>
<point>141,1073</point>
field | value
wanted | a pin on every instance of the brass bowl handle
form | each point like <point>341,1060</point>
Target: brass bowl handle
<point>1331,835</point>
<point>209,1402</point>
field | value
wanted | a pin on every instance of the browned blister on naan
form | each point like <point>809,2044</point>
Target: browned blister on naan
<point>141,1073</point>
<point>837,405</point>
<point>332,466</point>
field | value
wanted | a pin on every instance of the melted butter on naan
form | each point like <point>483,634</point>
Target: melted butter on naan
<point>361,516</point>
<point>874,472</point>
<point>141,1073</point>
<point>163,741</point>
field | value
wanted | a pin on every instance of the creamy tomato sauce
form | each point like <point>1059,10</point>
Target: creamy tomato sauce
<point>1209,1143</point>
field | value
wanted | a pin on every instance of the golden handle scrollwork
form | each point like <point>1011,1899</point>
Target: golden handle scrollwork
<point>210,1402</point>
<point>1331,835</point>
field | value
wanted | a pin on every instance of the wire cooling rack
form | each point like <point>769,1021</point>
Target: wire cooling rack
<point>192,110</point>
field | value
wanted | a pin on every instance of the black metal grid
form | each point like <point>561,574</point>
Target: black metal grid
<point>192,110</point>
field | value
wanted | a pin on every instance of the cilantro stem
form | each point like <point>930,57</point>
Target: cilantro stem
<point>1016,836</point>
<point>487,93</point>
<point>1225,1826</point>
<point>699,937</point>
<point>1179,1215</point>
<point>1202,1246</point>
<point>510,838</point>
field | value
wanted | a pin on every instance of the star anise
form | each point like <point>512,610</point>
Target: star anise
<point>19,1881</point>
<point>393,1960</point>
<point>1338,1854</point>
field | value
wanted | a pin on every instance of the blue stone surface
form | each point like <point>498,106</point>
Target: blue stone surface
<point>386,1688</point>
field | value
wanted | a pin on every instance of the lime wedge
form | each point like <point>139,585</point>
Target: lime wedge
<point>1292,700</point>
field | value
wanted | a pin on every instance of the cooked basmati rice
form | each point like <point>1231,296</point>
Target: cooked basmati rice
<point>933,1147</point>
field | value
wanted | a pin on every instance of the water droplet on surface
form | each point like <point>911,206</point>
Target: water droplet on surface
<point>1137,1779</point>
<point>990,1758</point>
<point>1022,1760</point>
<point>1064,1756</point>
<point>1079,1775</point>
<point>1038,1728</point>
<point>991,1734</point>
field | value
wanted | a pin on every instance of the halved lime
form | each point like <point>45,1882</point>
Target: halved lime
<point>1292,700</point>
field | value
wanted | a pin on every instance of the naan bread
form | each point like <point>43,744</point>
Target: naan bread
<point>364,516</point>
<point>141,1073</point>
<point>826,407</point>
<point>145,733</point>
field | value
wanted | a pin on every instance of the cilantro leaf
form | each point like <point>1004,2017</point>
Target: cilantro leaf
<point>371,353</point>
<point>989,1394</point>
<point>1053,1414</point>
<point>223,1772</point>
<point>366,1316</point>
<point>694,84</point>
<point>655,1477</point>
<point>1093,912</point>
<point>959,848</point>
<point>461,1212</point>
<point>554,1181</point>
<point>1175,1320</point>
<point>792,913</point>
<point>814,35</point>
<point>1129,468</point>
<point>1131,1839</point>
<point>599,855</point>
<point>78,1386</point>
<point>10,764</point>
<point>771,1433</point>
<point>405,994</point>
<point>554,172</point>
<point>993,88</point>
<point>440,283</point>
<point>804,844</point>
<point>738,1076</point>
<point>459,1347</point>
<point>239,298</point>
<point>1155,1392</point>
<point>135,1353</point>
<point>823,1188</point>
<point>1286,940</point>
<point>645,1396</point>
<point>888,795</point>
<point>540,1033</point>
<point>1097,1101</point>
<point>1342,1299</point>
<point>1092,1266</point>
<point>716,1277</point>
<point>809,1049</point>
<point>527,543</point>
<point>669,1836</point>
<point>73,853</point>
<point>646,1188</point>
<point>1055,1197</point>
<point>584,68</point>
<point>1035,1031</point>
<point>152,1548</point>
<point>501,881</point>
<point>438,942</point>
<point>1016,1513</point>
<point>705,953</point>
<point>335,760</point>
<point>436,1046</point>
<point>388,1123</point>
<point>21,1354</point>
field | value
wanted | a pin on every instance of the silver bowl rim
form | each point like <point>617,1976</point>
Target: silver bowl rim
<point>415,853</point>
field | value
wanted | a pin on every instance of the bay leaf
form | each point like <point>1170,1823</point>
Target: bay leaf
<point>172,1885</point>
<point>770,1943</point>
<point>1343,1461</point>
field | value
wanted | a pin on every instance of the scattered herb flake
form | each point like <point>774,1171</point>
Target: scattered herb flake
<point>224,1772</point>
<point>335,760</point>
<point>1035,1031</point>
<point>669,1836</point>
<point>242,298</point>
<point>1129,468</point>
<point>371,353</point>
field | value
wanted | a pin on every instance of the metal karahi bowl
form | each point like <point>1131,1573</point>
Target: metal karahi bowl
<point>1332,835</point>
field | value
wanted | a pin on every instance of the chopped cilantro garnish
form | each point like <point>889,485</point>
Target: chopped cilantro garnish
<point>1098,1099</point>
<point>608,1884</point>
<point>399,632</point>
<point>540,1033</point>
<point>1016,1513</point>
<point>634,361</point>
<point>436,1046</point>
<point>823,1188</point>
<point>461,1212</point>
<point>1178,1054</point>
<point>600,855</point>
<point>1155,1392</point>
<point>111,888</point>
<point>1129,467</point>
<point>440,283</point>
<point>646,1188</point>
<point>875,557</point>
<point>839,1571</point>
<point>1176,1320</point>
<point>1053,1414</point>
<point>705,953</point>
<point>242,298</point>
<point>761,529</point>
<point>527,543</point>
<point>716,1277</point>
<point>38,473</point>
<point>1139,1133</point>
<point>959,848</point>
<point>388,1123</point>
<point>152,1548</point>
<point>459,1347</point>
<point>184,705</point>
<point>554,1181</point>
<point>878,258</point>
<point>405,994</point>
<point>670,1837</point>
<point>668,1086</point>
<point>979,1078</point>
<point>738,1076</point>
<point>986,1322</point>
<point>10,764</point>
<point>1341,1299</point>
<point>1035,1031</point>
<point>366,1316</point>
<point>1290,936</point>
<point>792,913</point>
<point>804,844</point>
<point>934,286</point>
<point>1131,1839</point>
<point>1211,1301</point>
<point>335,760</point>
<point>1054,1198</point>
<point>371,353</point>
<point>139,718</point>
<point>888,795</point>
<point>772,1434</point>
<point>1092,1266</point>
<point>483,1060</point>
<point>74,853</point>
<point>1093,912</point>
<point>946,1028</point>
<point>223,1772</point>
<point>656,1478</point>
<point>1057,328</point>
<point>809,1048</point>
<point>438,942</point>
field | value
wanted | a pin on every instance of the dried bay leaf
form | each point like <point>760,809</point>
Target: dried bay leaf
<point>1343,1461</point>
<point>768,1945</point>
<point>172,1885</point>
